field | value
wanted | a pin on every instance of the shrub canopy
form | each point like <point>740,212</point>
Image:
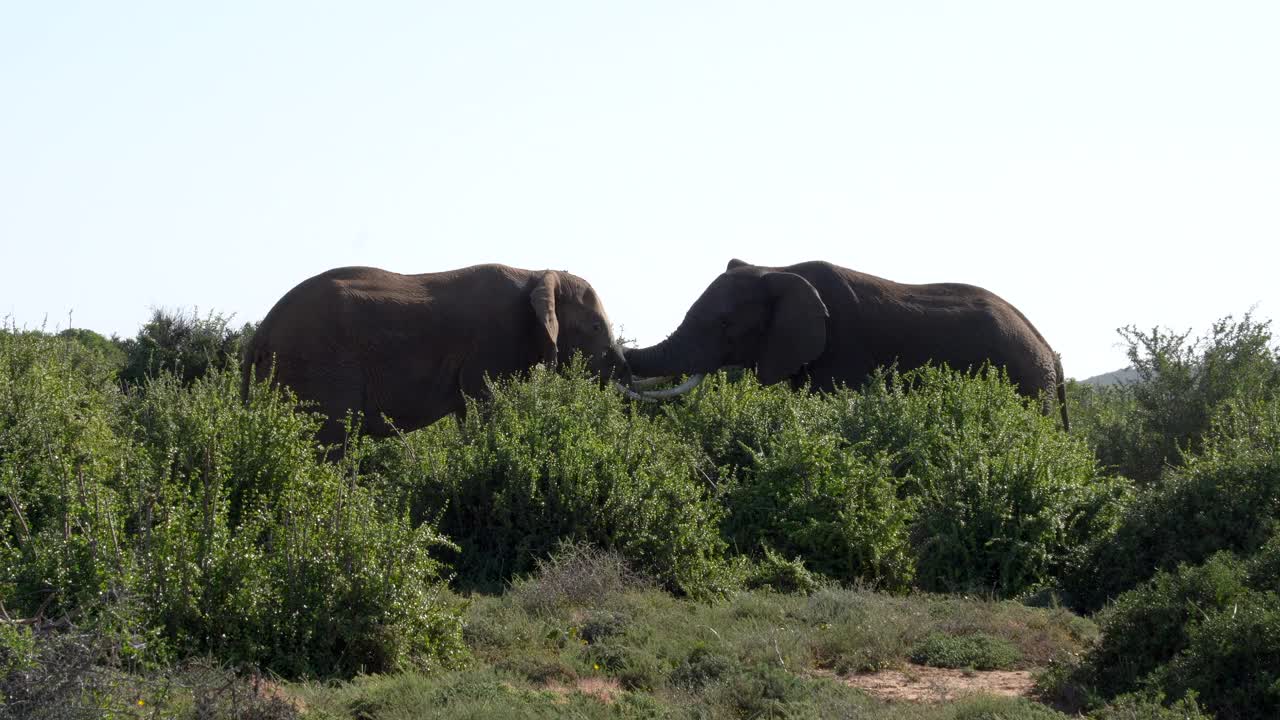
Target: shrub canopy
<point>209,519</point>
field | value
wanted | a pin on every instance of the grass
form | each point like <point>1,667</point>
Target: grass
<point>585,637</point>
<point>978,651</point>
<point>615,647</point>
<point>487,693</point>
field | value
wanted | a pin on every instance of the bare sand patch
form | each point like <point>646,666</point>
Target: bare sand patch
<point>923,684</point>
<point>604,689</point>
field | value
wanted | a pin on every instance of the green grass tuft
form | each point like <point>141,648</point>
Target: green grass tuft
<point>978,652</point>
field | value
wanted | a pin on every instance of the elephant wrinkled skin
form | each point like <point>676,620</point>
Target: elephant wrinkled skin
<point>410,346</point>
<point>826,325</point>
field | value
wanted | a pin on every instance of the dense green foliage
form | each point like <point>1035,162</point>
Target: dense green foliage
<point>222,521</point>
<point>1227,497</point>
<point>1147,627</point>
<point>556,458</point>
<point>953,481</point>
<point>857,486</point>
<point>978,651</point>
<point>209,520</point>
<point>1190,566</point>
<point>182,343</point>
<point>144,501</point>
<point>1005,500</point>
<point>1140,428</point>
<point>809,496</point>
<point>1210,629</point>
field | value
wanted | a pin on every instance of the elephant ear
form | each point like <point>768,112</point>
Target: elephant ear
<point>797,331</point>
<point>543,299</point>
<point>736,263</point>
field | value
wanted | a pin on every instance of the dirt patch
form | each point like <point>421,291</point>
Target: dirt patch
<point>273,693</point>
<point>606,690</point>
<point>922,684</point>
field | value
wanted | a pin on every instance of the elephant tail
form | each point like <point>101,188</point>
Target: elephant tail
<point>1062,391</point>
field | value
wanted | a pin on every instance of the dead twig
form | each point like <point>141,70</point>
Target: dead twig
<point>24,531</point>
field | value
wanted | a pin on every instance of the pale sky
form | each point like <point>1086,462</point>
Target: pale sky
<point>1097,164</point>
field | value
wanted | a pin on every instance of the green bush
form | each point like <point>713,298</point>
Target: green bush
<point>702,666</point>
<point>791,485</point>
<point>978,651</point>
<point>17,648</point>
<point>1143,427</point>
<point>808,495</point>
<point>988,707</point>
<point>773,572</point>
<point>1143,706</point>
<point>184,344</point>
<point>600,624</point>
<point>212,518</point>
<point>96,349</point>
<point>1231,660</point>
<point>262,552</point>
<point>556,457</point>
<point>1224,498</point>
<point>952,480</point>
<point>575,575</point>
<point>761,690</point>
<point>732,417</point>
<point>860,631</point>
<point>1005,501</point>
<point>1150,625</point>
<point>1264,566</point>
<point>1107,418</point>
<point>1208,632</point>
<point>65,464</point>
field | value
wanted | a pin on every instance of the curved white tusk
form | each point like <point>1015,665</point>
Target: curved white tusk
<point>631,393</point>
<point>681,389</point>
<point>648,382</point>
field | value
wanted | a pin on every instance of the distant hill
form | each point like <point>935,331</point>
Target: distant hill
<point>1115,377</point>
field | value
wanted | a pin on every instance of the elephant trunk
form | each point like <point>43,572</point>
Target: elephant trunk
<point>680,354</point>
<point>617,368</point>
<point>677,355</point>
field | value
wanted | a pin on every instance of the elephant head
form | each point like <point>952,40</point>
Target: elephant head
<point>571,318</point>
<point>749,316</point>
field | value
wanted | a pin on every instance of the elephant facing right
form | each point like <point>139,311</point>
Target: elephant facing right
<point>827,325</point>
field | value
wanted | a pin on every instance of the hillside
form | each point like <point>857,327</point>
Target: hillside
<point>1122,376</point>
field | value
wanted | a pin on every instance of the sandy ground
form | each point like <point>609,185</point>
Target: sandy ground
<point>915,683</point>
<point>918,683</point>
<point>604,689</point>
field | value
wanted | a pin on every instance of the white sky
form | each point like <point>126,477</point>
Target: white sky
<point>1095,163</point>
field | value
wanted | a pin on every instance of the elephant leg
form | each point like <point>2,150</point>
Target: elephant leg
<point>338,401</point>
<point>1037,380</point>
<point>336,388</point>
<point>845,364</point>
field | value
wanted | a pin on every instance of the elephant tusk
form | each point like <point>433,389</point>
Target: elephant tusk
<point>632,394</point>
<point>648,382</point>
<point>681,389</point>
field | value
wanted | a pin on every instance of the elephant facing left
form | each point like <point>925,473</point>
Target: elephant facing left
<point>411,346</point>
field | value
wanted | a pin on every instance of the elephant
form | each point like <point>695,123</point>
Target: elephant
<point>412,346</point>
<point>825,325</point>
